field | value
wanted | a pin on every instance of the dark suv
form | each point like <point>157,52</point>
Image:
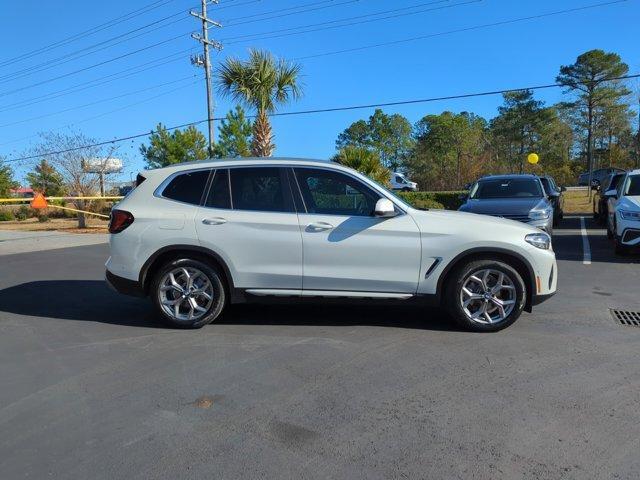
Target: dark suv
<point>516,197</point>
<point>554,192</point>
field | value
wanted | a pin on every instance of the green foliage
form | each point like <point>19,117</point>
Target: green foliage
<point>592,79</point>
<point>448,147</point>
<point>45,179</point>
<point>6,215</point>
<point>447,200</point>
<point>24,212</point>
<point>42,218</point>
<point>364,161</point>
<point>262,83</point>
<point>235,135</point>
<point>6,180</point>
<point>168,148</point>
<point>517,128</point>
<point>388,135</point>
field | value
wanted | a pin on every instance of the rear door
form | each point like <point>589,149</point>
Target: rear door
<point>345,247</point>
<point>248,218</point>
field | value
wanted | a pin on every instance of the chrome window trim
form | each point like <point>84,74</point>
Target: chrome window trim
<point>160,188</point>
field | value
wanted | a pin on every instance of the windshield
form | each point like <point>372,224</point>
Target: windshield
<point>632,188</point>
<point>507,188</point>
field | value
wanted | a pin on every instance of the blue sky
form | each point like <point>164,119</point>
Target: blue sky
<point>504,56</point>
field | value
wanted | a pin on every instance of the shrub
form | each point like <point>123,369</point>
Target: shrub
<point>6,215</point>
<point>43,218</point>
<point>448,200</point>
<point>23,212</point>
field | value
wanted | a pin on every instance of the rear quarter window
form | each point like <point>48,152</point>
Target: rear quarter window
<point>187,187</point>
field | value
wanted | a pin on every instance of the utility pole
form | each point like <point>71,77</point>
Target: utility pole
<point>203,60</point>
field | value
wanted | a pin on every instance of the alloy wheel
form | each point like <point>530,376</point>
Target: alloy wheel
<point>185,293</point>
<point>488,296</point>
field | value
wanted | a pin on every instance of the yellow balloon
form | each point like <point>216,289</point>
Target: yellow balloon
<point>533,158</point>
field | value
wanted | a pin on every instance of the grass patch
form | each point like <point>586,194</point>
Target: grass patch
<point>577,202</point>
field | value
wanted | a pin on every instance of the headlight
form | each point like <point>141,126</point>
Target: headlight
<point>630,215</point>
<point>539,214</point>
<point>539,240</point>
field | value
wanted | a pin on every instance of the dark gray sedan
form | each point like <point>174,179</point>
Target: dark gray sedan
<point>517,197</point>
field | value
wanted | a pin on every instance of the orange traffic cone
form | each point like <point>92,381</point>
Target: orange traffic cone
<point>39,201</point>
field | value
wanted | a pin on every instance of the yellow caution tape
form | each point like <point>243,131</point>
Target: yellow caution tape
<point>79,211</point>
<point>8,200</point>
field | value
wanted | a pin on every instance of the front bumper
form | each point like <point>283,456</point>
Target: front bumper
<point>538,299</point>
<point>123,285</point>
<point>630,236</point>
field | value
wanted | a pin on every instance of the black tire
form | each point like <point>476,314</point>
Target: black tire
<point>619,248</point>
<point>457,280</point>
<point>219,297</point>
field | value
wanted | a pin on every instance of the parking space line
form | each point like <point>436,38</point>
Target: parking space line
<point>586,248</point>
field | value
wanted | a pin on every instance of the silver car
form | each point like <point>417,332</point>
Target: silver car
<point>517,197</point>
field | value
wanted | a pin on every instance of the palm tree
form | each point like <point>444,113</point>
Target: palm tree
<point>262,82</point>
<point>364,161</point>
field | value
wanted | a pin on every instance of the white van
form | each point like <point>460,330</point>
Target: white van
<point>402,183</point>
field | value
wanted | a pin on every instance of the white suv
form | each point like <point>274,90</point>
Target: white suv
<point>196,236</point>
<point>623,223</point>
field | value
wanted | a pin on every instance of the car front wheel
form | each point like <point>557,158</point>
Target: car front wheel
<point>485,295</point>
<point>188,293</point>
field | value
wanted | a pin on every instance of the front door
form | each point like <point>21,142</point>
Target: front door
<point>345,247</point>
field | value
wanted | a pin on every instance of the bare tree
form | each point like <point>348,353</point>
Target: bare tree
<point>69,153</point>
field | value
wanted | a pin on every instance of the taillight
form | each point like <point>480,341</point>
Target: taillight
<point>120,219</point>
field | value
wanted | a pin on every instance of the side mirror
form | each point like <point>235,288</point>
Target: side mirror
<point>463,196</point>
<point>563,189</point>
<point>384,208</point>
<point>611,193</point>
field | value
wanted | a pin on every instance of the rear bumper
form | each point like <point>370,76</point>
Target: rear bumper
<point>123,285</point>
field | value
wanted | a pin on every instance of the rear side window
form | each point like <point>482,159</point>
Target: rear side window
<point>187,187</point>
<point>262,189</point>
<point>219,196</point>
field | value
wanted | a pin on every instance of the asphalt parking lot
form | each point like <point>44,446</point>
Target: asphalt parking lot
<point>93,388</point>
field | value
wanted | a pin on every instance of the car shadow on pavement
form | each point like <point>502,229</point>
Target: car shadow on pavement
<point>93,301</point>
<point>87,300</point>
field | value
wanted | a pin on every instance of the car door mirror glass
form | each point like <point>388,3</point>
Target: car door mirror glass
<point>384,208</point>
<point>611,193</point>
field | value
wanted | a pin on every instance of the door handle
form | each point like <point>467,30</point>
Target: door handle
<point>214,221</point>
<point>320,226</point>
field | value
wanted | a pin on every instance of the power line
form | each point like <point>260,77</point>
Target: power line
<point>104,62</point>
<point>69,57</point>
<point>90,31</point>
<point>324,110</point>
<point>96,102</point>
<point>347,19</point>
<point>127,72</point>
<point>333,5</point>
<point>459,30</point>
<point>124,107</point>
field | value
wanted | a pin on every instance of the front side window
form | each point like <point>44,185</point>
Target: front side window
<point>187,187</point>
<point>260,189</point>
<point>507,188</point>
<point>547,185</point>
<point>334,193</point>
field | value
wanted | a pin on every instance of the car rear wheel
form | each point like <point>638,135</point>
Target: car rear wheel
<point>485,295</point>
<point>188,293</point>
